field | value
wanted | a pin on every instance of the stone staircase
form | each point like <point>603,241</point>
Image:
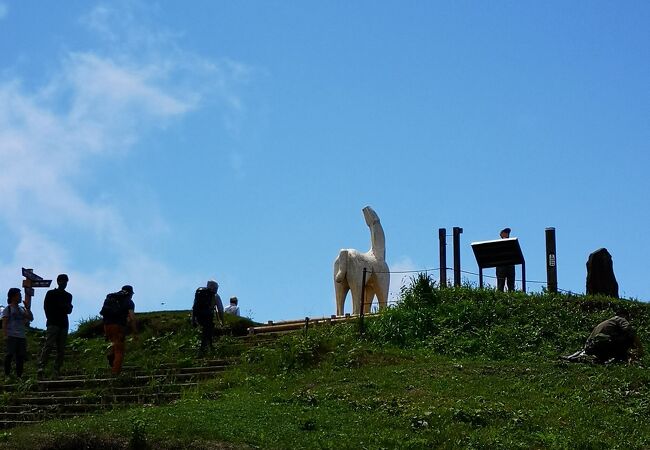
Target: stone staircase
<point>78,394</point>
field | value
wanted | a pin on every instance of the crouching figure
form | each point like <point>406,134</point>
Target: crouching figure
<point>613,340</point>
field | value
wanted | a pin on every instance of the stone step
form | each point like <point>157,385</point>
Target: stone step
<point>163,369</point>
<point>16,423</point>
<point>77,393</point>
<point>98,399</point>
<point>36,415</point>
<point>124,380</point>
<point>31,412</point>
<point>112,389</point>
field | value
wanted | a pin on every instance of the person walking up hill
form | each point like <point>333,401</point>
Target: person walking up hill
<point>118,311</point>
<point>57,305</point>
<point>14,319</point>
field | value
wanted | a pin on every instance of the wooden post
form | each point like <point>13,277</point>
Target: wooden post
<point>456,237</point>
<point>551,261</point>
<point>363,300</point>
<point>30,282</point>
<point>442,238</point>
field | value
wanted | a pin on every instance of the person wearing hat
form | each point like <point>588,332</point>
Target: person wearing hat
<point>118,312</point>
<point>14,319</point>
<point>505,274</point>
<point>206,300</point>
<point>233,308</point>
<point>57,305</point>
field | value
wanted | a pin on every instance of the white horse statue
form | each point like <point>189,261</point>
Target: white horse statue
<point>349,265</point>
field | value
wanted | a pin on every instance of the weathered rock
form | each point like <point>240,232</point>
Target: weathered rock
<point>600,274</point>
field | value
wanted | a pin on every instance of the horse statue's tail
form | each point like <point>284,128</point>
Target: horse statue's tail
<point>342,263</point>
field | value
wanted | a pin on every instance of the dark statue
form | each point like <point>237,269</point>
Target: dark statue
<point>600,274</point>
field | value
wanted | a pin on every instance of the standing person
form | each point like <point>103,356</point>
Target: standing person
<point>14,319</point>
<point>57,305</point>
<point>206,300</point>
<point>233,308</point>
<point>505,274</point>
<point>118,311</point>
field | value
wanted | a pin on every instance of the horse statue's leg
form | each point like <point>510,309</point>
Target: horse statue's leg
<point>381,287</point>
<point>355,289</point>
<point>341,290</point>
<point>367,302</point>
<point>341,266</point>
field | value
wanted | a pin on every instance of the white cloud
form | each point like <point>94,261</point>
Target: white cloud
<point>97,105</point>
<point>401,273</point>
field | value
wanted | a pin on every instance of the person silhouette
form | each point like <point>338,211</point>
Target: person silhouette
<point>505,274</point>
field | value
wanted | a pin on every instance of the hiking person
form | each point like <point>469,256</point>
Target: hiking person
<point>118,311</point>
<point>206,300</point>
<point>57,305</point>
<point>14,319</point>
<point>505,274</point>
<point>233,309</point>
<point>613,339</point>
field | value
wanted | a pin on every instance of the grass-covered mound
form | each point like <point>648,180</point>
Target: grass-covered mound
<point>161,322</point>
<point>497,325</point>
<point>454,368</point>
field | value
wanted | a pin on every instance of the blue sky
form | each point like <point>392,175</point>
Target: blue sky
<point>164,144</point>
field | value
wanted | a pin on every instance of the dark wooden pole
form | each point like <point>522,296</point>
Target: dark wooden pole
<point>551,261</point>
<point>442,238</point>
<point>363,300</point>
<point>456,237</point>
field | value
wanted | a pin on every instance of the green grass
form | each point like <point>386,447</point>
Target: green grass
<point>163,337</point>
<point>455,368</point>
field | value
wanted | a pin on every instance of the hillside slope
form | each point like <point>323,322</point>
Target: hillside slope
<point>453,368</point>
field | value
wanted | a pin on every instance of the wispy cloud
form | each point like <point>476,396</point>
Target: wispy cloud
<point>3,10</point>
<point>401,274</point>
<point>97,105</point>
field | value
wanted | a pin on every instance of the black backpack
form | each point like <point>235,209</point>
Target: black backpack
<point>203,303</point>
<point>114,306</point>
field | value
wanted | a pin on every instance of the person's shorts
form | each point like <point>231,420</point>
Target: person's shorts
<point>16,346</point>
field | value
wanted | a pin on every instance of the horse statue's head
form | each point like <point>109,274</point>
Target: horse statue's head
<point>370,216</point>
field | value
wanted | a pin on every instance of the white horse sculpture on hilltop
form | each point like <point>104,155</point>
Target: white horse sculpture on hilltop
<point>349,265</point>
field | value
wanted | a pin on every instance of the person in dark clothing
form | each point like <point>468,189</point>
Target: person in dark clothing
<point>613,339</point>
<point>206,301</point>
<point>505,274</point>
<point>57,305</point>
<point>14,319</point>
<point>117,313</point>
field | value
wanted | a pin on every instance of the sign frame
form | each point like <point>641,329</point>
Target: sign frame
<point>499,252</point>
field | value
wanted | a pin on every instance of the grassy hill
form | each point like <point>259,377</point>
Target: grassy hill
<point>452,368</point>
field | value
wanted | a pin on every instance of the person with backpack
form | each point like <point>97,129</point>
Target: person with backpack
<point>57,305</point>
<point>117,312</point>
<point>14,319</point>
<point>206,300</point>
